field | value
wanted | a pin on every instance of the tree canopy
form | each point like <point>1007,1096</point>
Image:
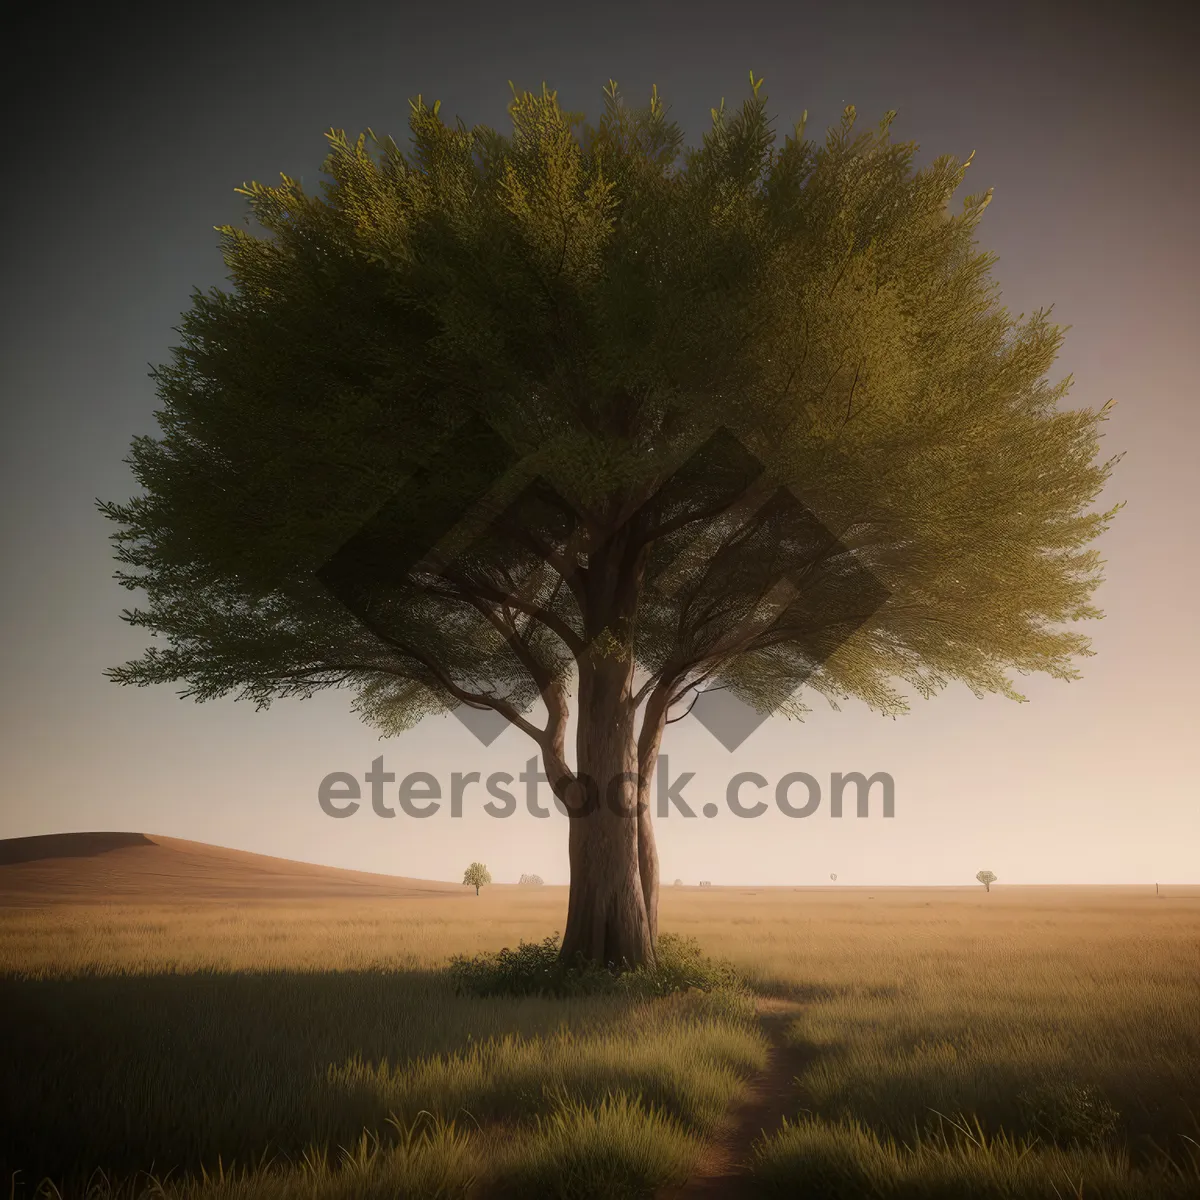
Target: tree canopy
<point>503,414</point>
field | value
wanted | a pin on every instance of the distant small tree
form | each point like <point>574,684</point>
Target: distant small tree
<point>679,883</point>
<point>477,874</point>
<point>987,878</point>
<point>532,881</point>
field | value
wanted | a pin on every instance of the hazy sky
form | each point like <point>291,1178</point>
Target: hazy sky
<point>129,128</point>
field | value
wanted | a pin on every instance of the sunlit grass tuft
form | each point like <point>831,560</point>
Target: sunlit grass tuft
<point>685,1057</point>
<point>846,1160</point>
<point>617,1149</point>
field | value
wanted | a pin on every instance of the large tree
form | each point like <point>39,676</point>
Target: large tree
<point>576,414</point>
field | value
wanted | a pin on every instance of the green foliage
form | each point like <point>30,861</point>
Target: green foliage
<point>535,969</point>
<point>532,968</point>
<point>602,300</point>
<point>683,966</point>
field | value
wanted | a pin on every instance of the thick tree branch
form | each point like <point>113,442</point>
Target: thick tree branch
<point>571,573</point>
<point>850,398</point>
<point>471,590</point>
<point>471,699</point>
<point>695,697</point>
<point>538,671</point>
<point>713,511</point>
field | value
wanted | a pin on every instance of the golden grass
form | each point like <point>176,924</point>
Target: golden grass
<point>333,935</point>
<point>176,1033</point>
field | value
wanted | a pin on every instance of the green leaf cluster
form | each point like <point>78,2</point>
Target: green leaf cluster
<point>606,301</point>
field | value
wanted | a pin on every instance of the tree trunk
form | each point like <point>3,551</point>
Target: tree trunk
<point>648,855</point>
<point>477,889</point>
<point>648,746</point>
<point>607,917</point>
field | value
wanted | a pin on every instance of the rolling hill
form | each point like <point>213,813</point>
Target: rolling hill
<point>82,868</point>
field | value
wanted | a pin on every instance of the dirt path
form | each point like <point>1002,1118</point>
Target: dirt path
<point>770,1096</point>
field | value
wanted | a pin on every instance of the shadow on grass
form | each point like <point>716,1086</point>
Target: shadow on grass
<point>172,1071</point>
<point>781,988</point>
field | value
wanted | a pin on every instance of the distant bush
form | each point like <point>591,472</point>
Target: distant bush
<point>534,968</point>
<point>679,883</point>
<point>1070,1114</point>
<point>532,881</point>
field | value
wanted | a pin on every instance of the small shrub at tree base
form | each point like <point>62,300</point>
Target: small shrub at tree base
<point>682,966</point>
<point>534,968</point>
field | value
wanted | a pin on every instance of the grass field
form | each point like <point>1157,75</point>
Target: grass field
<point>942,1043</point>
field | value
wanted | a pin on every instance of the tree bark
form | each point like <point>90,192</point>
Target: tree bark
<point>649,741</point>
<point>607,918</point>
<point>612,915</point>
<point>647,856</point>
